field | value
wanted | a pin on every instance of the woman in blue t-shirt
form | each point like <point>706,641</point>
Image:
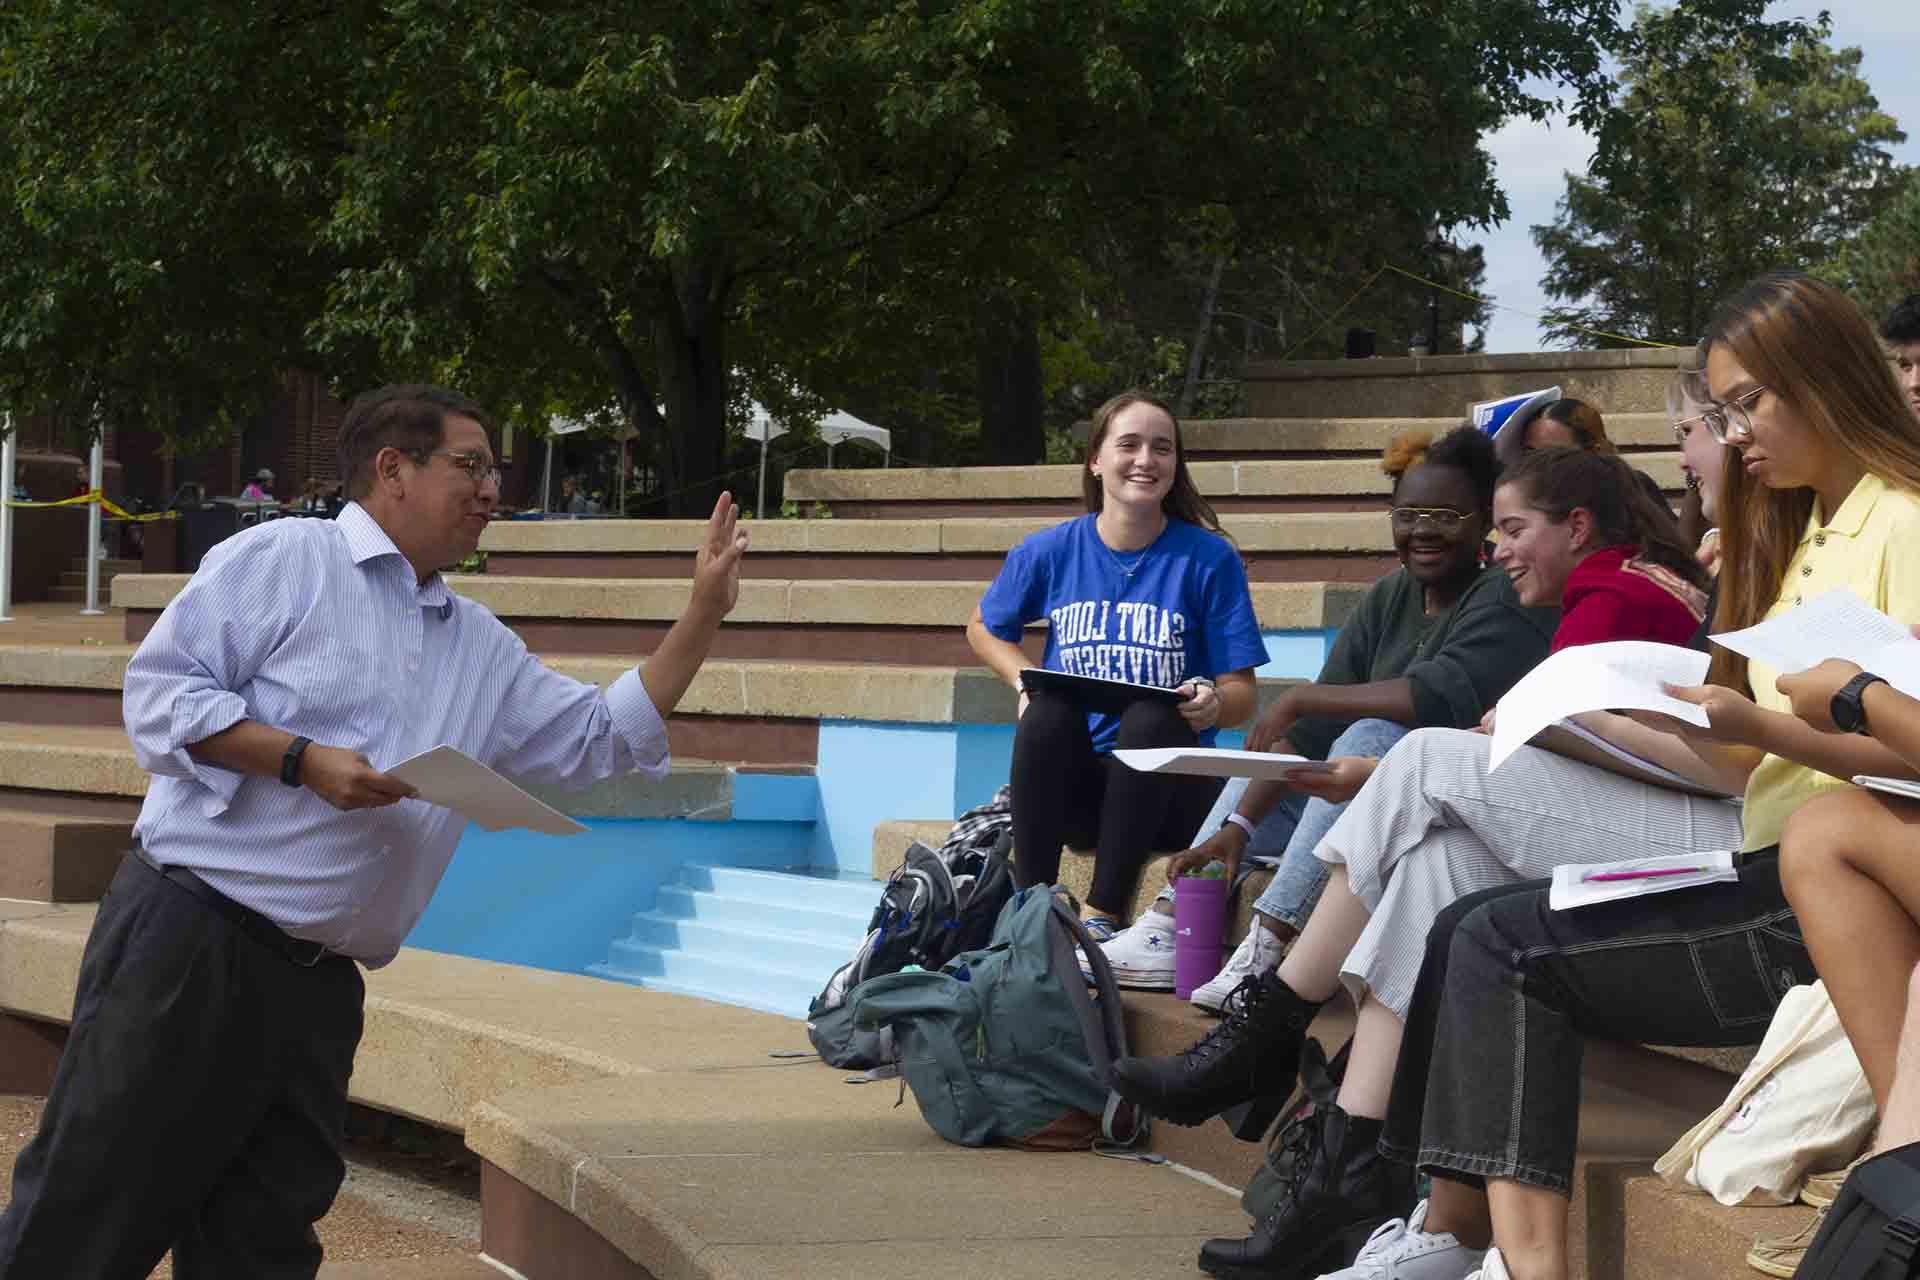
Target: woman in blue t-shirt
<point>1145,588</point>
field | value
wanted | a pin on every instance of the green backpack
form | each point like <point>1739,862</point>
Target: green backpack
<point>1007,1044</point>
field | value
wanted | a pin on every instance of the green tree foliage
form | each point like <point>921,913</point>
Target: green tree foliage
<point>1881,265</point>
<point>639,210</point>
<point>1732,154</point>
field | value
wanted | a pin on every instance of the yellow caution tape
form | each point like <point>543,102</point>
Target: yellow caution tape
<point>106,504</point>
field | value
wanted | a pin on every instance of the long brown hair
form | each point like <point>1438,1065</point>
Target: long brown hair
<point>1589,430</point>
<point>1183,500</point>
<point>1811,346</point>
<point>1555,481</point>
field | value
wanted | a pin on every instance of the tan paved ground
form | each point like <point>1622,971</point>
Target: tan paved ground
<point>62,624</point>
<point>363,1229</point>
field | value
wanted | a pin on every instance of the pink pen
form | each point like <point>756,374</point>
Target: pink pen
<point>1604,876</point>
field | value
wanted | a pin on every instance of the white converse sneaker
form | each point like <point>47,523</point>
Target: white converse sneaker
<point>1492,1267</point>
<point>1404,1250</point>
<point>1259,952</point>
<point>1141,955</point>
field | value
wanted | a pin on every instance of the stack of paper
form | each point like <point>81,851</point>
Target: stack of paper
<point>1583,886</point>
<point>1616,676</point>
<point>455,780</point>
<point>1837,624</point>
<point>1217,762</point>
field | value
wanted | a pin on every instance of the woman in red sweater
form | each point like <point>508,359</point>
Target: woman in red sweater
<point>1577,528</point>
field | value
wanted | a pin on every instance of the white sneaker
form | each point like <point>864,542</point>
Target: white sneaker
<point>1258,953</point>
<point>1403,1250</point>
<point>1141,956</point>
<point>1492,1267</point>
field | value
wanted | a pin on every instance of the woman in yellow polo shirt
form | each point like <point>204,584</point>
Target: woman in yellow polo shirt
<point>1487,1090</point>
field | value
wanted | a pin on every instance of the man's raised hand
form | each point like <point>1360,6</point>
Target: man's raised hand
<point>716,565</point>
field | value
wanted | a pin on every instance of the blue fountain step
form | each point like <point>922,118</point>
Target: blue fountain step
<point>724,909</point>
<point>786,890</point>
<point>771,945</point>
<point>711,978</point>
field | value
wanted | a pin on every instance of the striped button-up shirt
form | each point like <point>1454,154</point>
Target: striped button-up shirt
<point>322,628</point>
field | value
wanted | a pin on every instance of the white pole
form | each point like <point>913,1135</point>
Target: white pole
<point>546,480</point>
<point>760,508</point>
<point>621,510</point>
<point>6,521</point>
<point>95,471</point>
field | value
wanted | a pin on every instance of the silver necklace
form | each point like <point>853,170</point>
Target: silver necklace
<point>1126,571</point>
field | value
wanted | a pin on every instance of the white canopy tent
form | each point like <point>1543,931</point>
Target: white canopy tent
<point>836,428</point>
<point>556,426</point>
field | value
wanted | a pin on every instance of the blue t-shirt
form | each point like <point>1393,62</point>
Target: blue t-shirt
<point>1185,611</point>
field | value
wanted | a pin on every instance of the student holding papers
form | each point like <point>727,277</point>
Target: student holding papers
<point>1576,528</point>
<point>1433,643</point>
<point>1145,588</point>
<point>1487,1088</point>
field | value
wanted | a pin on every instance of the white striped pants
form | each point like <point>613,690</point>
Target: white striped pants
<point>1432,824</point>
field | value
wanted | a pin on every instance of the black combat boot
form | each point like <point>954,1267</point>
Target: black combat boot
<point>1252,1055</point>
<point>1343,1188</point>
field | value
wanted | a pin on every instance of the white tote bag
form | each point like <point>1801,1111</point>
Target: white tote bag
<point>1802,1106</point>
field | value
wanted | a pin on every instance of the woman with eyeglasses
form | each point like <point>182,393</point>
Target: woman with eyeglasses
<point>1435,642</point>
<point>1487,1088</point>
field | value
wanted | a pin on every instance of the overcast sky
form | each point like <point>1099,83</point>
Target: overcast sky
<point>1532,159</point>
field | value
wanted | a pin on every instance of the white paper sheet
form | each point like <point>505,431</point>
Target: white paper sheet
<point>454,780</point>
<point>1217,762</point>
<point>1836,624</point>
<point>1892,786</point>
<point>1575,886</point>
<point>1617,676</point>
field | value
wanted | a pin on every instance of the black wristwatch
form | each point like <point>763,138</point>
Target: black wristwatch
<point>290,762</point>
<point>1849,712</point>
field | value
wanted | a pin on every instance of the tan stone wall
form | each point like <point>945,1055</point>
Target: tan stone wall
<point>1443,386</point>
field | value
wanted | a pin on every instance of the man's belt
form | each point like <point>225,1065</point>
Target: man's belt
<point>248,921</point>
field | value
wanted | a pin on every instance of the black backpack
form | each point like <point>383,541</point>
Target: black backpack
<point>1873,1230</point>
<point>935,906</point>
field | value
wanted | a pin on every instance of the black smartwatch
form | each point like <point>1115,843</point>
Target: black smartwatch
<point>290,762</point>
<point>1848,711</point>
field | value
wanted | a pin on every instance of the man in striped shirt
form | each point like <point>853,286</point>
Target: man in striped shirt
<point>201,1099</point>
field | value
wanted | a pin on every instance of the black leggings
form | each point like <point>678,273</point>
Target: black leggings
<point>1064,794</point>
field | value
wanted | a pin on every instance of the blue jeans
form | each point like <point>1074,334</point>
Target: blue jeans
<point>1300,877</point>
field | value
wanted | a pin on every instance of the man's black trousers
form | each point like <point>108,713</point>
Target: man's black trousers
<point>199,1105</point>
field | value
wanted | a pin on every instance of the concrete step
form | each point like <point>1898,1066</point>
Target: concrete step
<point>78,577</point>
<point>912,623</point>
<point>78,565</point>
<point>778,890</point>
<point>1682,1233</point>
<point>54,856</point>
<point>1615,382</point>
<point>722,980</point>
<point>773,942</point>
<point>682,902</point>
<point>84,760</point>
<point>1286,473</point>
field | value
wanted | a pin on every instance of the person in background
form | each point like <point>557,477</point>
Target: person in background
<point>313,495</point>
<point>1901,332</point>
<point>1145,588</point>
<point>1568,424</point>
<point>20,483</point>
<point>1435,642</point>
<point>260,488</point>
<point>1703,462</point>
<point>82,481</point>
<point>200,1102</point>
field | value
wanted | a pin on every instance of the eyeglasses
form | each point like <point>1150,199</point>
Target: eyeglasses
<point>1445,519</point>
<point>479,468</point>
<point>1732,416</point>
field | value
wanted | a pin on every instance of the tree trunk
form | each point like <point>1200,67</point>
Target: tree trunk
<point>1007,361</point>
<point>689,343</point>
<point>1202,330</point>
